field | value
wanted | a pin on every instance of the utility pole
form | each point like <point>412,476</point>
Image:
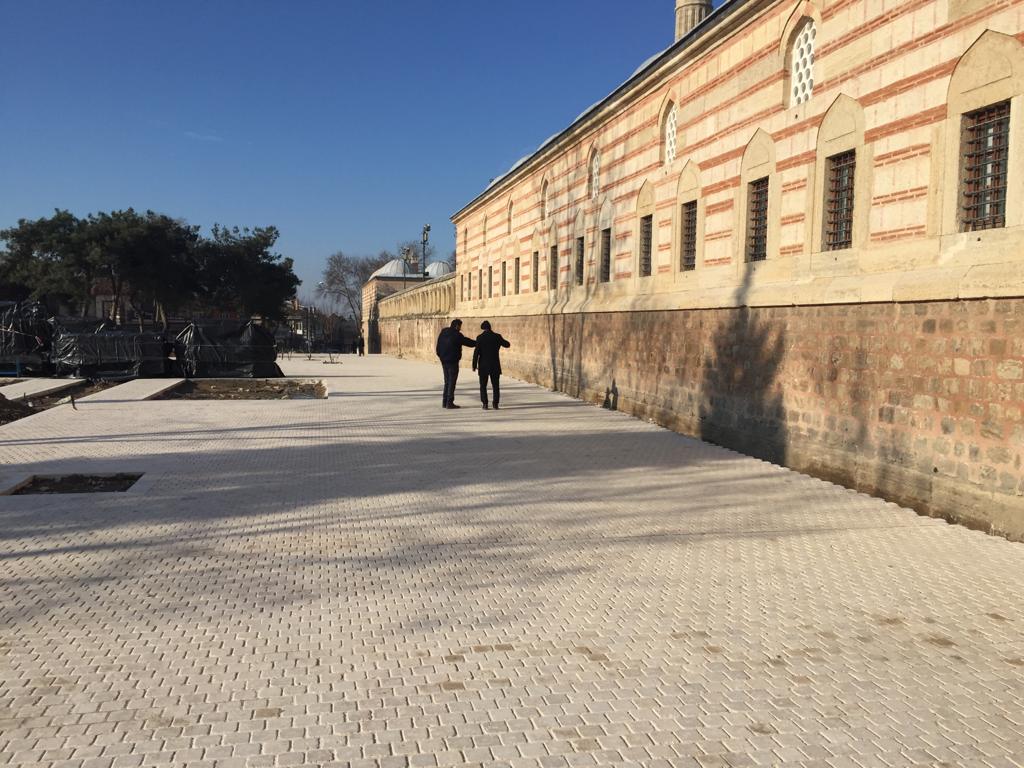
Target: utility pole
<point>426,236</point>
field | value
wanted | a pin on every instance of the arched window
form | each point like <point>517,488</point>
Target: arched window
<point>485,229</point>
<point>544,201</point>
<point>669,144</point>
<point>759,199</point>
<point>983,99</point>
<point>842,183</point>
<point>801,63</point>
<point>645,230</point>
<point>690,226</point>
<point>509,232</point>
<point>594,174</point>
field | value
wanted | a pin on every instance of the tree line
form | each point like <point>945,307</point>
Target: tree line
<point>146,260</point>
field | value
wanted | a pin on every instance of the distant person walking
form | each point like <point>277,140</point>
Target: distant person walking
<point>487,362</point>
<point>449,351</point>
<point>361,345</point>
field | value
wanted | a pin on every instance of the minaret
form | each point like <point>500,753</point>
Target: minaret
<point>690,13</point>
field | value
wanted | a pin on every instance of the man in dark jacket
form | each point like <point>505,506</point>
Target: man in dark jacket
<point>449,351</point>
<point>487,361</point>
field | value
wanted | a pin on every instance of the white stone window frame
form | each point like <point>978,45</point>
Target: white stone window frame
<point>594,178</point>
<point>801,62</point>
<point>670,134</point>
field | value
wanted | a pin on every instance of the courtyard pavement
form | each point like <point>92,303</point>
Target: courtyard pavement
<point>370,580</point>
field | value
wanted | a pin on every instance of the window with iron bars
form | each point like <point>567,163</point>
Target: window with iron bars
<point>757,220</point>
<point>839,201</point>
<point>688,240</point>
<point>462,288</point>
<point>504,280</point>
<point>490,282</point>
<point>553,267</point>
<point>535,271</point>
<point>480,283</point>
<point>515,277</point>
<point>606,255</point>
<point>985,152</point>
<point>646,239</point>
<point>579,261</point>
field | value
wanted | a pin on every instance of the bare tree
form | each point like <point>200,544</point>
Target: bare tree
<point>344,277</point>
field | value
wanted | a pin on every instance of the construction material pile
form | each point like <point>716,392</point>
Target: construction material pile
<point>33,343</point>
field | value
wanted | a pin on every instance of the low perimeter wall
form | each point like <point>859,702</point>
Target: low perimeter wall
<point>920,403</point>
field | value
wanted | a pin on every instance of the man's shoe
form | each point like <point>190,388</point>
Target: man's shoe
<point>453,405</point>
<point>485,406</point>
<point>495,406</point>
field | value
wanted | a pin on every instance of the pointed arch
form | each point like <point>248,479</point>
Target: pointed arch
<point>645,230</point>
<point>508,216</point>
<point>605,220</point>
<point>689,218</point>
<point>984,104</point>
<point>842,180</point>
<point>798,61</point>
<point>579,229</point>
<point>759,199</point>
<point>593,172</point>
<point>668,132</point>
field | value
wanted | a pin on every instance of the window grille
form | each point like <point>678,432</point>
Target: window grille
<point>535,271</point>
<point>504,281</point>
<point>469,286</point>
<point>579,261</point>
<point>688,244</point>
<point>553,267</point>
<point>757,220</point>
<point>985,152</point>
<point>802,71</point>
<point>670,135</point>
<point>646,239</point>
<point>490,282</point>
<point>839,201</point>
<point>462,288</point>
<point>480,282</point>
<point>606,255</point>
<point>515,277</point>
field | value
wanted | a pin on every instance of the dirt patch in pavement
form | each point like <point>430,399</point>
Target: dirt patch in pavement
<point>12,410</point>
<point>246,389</point>
<point>77,484</point>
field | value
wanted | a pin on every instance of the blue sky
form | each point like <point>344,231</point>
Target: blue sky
<point>346,124</point>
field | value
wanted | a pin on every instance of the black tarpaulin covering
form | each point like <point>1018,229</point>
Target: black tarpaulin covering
<point>109,354</point>
<point>25,337</point>
<point>227,350</point>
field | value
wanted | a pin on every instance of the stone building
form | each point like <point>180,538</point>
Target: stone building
<point>796,232</point>
<point>394,277</point>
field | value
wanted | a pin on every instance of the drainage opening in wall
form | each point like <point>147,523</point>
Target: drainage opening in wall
<point>76,484</point>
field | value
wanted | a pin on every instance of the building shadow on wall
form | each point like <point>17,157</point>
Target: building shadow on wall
<point>741,405</point>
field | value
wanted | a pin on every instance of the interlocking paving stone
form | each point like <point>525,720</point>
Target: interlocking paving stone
<point>136,389</point>
<point>37,387</point>
<point>370,580</point>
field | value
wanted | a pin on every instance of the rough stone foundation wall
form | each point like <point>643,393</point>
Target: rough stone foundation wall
<point>920,403</point>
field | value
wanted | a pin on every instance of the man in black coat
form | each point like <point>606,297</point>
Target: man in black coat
<point>487,361</point>
<point>449,351</point>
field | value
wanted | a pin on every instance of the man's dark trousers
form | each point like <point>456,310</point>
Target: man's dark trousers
<point>493,376</point>
<point>451,376</point>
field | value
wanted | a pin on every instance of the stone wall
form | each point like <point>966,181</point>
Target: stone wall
<point>920,403</point>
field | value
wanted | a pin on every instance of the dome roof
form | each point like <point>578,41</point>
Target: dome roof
<point>394,268</point>
<point>438,268</point>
